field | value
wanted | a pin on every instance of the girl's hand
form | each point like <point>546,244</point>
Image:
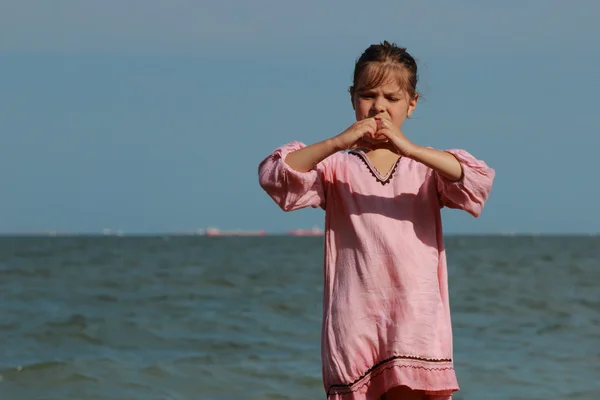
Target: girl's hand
<point>402,145</point>
<point>352,137</point>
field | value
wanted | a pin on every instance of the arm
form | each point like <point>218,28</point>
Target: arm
<point>294,174</point>
<point>471,190</point>
<point>307,158</point>
<point>462,181</point>
<point>442,162</point>
<point>289,188</point>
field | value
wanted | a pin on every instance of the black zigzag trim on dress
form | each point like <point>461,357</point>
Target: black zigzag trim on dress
<point>370,168</point>
<point>379,364</point>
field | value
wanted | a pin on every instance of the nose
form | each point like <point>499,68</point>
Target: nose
<point>378,107</point>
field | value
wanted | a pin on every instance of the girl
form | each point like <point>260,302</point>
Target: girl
<point>386,329</point>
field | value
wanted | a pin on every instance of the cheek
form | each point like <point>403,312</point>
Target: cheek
<point>399,110</point>
<point>398,116</point>
<point>362,109</point>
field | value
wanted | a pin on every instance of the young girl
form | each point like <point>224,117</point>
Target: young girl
<point>386,329</point>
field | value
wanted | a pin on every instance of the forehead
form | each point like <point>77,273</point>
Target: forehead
<point>385,77</point>
<point>390,86</point>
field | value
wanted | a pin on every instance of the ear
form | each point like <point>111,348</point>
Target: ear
<point>351,90</point>
<point>412,104</point>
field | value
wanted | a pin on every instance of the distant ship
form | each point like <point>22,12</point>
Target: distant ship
<point>315,231</point>
<point>218,232</point>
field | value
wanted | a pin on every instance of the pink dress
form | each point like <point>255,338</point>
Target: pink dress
<point>386,313</point>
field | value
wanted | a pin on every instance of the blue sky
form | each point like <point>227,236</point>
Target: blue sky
<point>152,116</point>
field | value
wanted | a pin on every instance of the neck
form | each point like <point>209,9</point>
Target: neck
<point>383,152</point>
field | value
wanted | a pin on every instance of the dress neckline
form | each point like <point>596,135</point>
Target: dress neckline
<point>381,178</point>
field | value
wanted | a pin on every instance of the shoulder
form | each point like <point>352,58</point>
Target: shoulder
<point>348,159</point>
<point>409,166</point>
<point>338,164</point>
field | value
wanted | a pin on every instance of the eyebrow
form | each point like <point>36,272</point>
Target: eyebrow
<point>384,93</point>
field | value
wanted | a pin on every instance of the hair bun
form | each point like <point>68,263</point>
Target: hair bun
<point>393,46</point>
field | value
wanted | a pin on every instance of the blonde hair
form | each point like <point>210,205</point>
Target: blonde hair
<point>381,61</point>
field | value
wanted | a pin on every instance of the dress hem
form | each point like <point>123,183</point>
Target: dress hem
<point>434,377</point>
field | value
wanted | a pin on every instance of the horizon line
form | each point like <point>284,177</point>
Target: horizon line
<point>261,233</point>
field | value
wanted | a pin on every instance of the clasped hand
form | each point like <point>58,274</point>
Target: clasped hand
<point>375,133</point>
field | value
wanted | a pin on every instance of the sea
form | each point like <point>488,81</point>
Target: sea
<point>220,318</point>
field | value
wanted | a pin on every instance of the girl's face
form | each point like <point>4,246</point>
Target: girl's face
<point>388,100</point>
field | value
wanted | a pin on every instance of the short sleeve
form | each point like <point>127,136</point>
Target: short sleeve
<point>472,190</point>
<point>290,189</point>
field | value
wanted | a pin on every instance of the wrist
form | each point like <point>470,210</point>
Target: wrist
<point>413,151</point>
<point>334,144</point>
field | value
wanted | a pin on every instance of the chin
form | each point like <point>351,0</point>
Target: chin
<point>376,141</point>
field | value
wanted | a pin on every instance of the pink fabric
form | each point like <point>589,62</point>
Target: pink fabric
<point>386,313</point>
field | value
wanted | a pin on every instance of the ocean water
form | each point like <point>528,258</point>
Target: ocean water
<point>239,318</point>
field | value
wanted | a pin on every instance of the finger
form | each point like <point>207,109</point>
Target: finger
<point>371,129</point>
<point>367,120</point>
<point>384,132</point>
<point>382,127</point>
<point>371,123</point>
<point>382,119</point>
<point>383,122</point>
<point>377,136</point>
